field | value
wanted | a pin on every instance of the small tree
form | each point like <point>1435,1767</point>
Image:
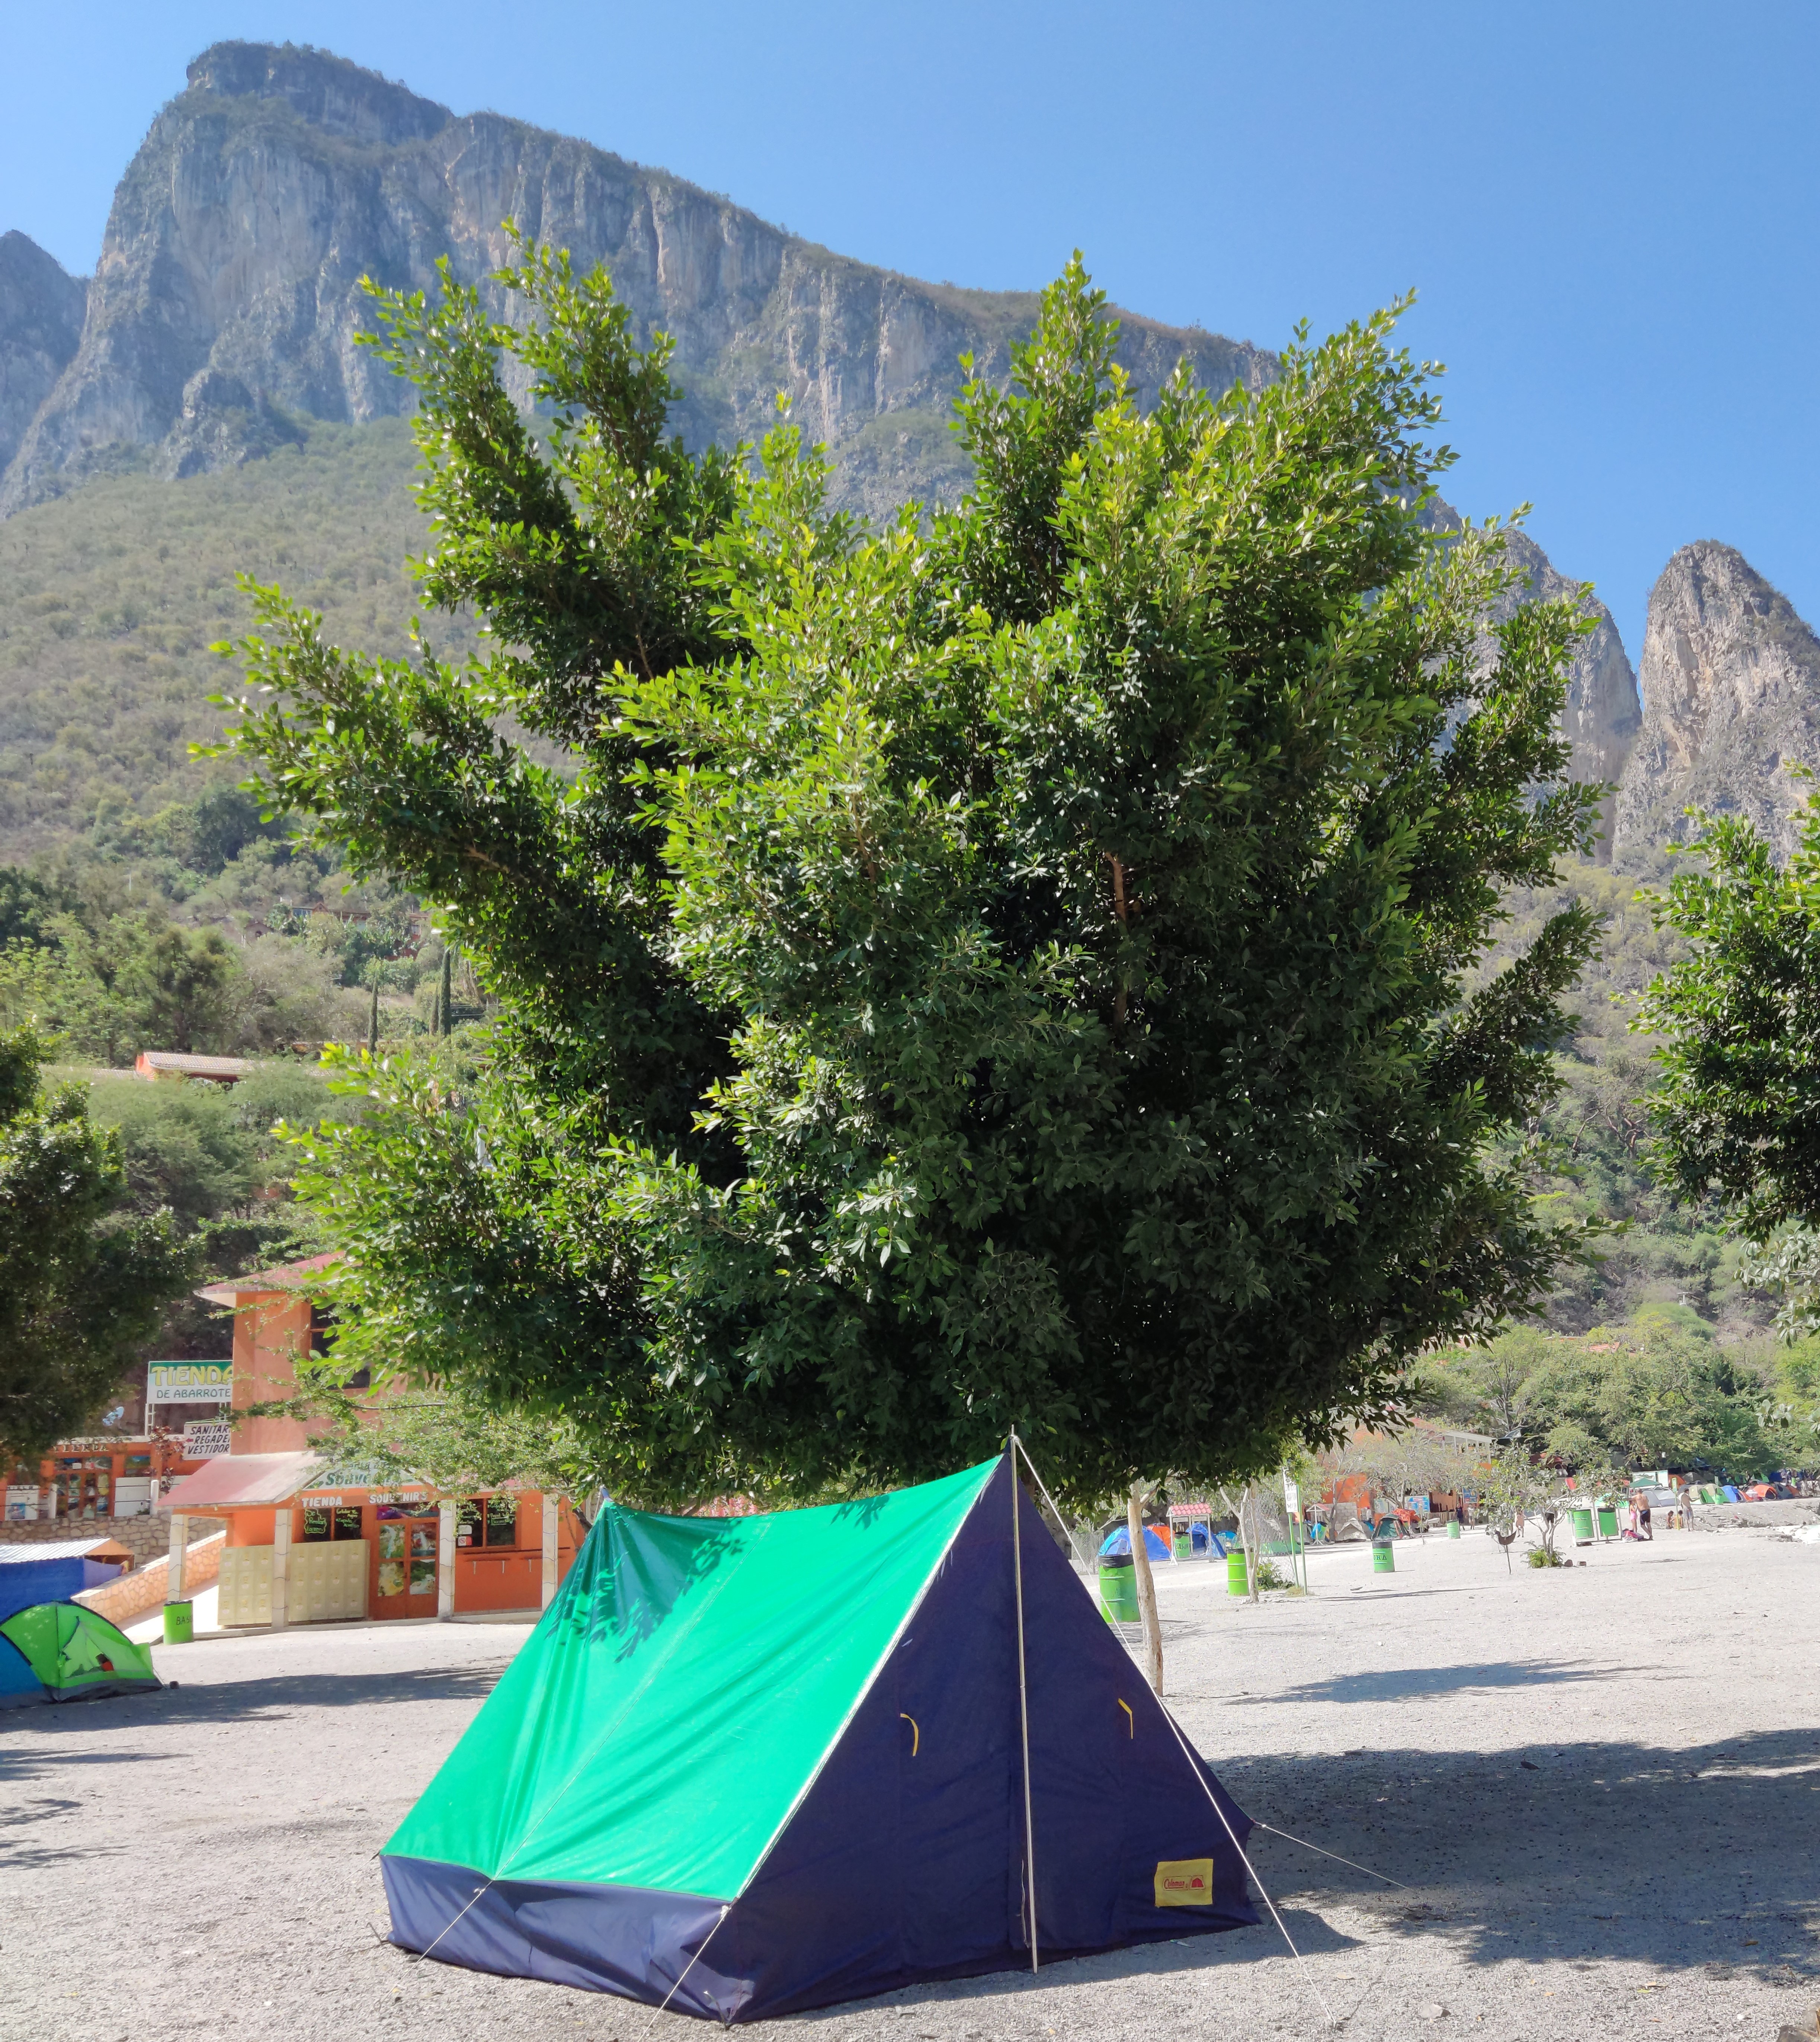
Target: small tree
<point>1514,1492</point>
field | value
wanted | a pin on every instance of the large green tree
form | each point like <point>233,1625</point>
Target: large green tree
<point>1001,969</point>
<point>82,1283</point>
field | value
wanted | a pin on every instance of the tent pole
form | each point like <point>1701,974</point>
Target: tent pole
<point>1023,1701</point>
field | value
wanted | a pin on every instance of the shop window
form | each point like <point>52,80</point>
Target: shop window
<point>327,1521</point>
<point>489,1520</point>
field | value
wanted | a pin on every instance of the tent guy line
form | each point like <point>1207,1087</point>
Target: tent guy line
<point>700,1952</point>
<point>1337,1859</point>
<point>1187,1753</point>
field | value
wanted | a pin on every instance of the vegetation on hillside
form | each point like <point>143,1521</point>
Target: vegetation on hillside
<point>112,596</point>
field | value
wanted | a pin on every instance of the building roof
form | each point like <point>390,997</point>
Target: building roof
<point>64,1549</point>
<point>188,1066</point>
<point>233,1481</point>
<point>287,1277</point>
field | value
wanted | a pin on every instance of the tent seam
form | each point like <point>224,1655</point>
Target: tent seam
<point>870,1683</point>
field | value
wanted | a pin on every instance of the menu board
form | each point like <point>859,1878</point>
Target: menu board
<point>502,1520</point>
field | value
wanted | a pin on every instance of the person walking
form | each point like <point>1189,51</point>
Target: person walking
<point>1687,1506</point>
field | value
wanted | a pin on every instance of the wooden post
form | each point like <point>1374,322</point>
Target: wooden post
<point>445,1553</point>
<point>174,1569</point>
<point>1146,1587</point>
<point>281,1566</point>
<point>551,1522</point>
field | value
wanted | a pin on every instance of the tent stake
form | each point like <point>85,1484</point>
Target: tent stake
<point>1023,1702</point>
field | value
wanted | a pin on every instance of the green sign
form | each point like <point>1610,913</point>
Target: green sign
<point>190,1383</point>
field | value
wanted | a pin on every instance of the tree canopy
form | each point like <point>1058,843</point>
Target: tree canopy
<point>81,1281</point>
<point>1001,968</point>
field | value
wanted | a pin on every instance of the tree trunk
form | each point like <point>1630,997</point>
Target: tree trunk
<point>1146,1588</point>
<point>445,990</point>
<point>373,1022</point>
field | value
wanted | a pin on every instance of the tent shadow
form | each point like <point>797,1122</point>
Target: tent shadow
<point>1607,1851</point>
<point>1311,1934</point>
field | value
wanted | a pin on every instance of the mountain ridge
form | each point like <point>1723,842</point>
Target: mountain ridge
<point>222,316</point>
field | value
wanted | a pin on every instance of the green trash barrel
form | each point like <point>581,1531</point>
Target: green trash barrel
<point>1238,1582</point>
<point>1118,1588</point>
<point>1184,1546</point>
<point>1607,1521</point>
<point>1453,1528</point>
<point>1383,1558</point>
<point>1582,1526</point>
<point>179,1622</point>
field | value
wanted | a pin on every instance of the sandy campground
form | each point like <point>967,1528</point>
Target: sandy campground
<point>1601,1786</point>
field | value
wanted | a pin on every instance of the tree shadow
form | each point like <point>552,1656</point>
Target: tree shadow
<point>1403,1684</point>
<point>220,1701</point>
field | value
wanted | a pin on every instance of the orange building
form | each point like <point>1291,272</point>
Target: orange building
<point>310,1541</point>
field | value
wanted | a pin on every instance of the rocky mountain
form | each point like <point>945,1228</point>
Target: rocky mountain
<point>1601,715</point>
<point>1730,680</point>
<point>228,297</point>
<point>41,310</point>
<point>222,318</point>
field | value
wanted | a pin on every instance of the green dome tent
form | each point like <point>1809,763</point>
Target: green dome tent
<point>77,1655</point>
<point>746,1766</point>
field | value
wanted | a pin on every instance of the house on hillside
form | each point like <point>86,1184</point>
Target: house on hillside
<point>169,1066</point>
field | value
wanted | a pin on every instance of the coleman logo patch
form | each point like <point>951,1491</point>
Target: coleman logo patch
<point>1185,1882</point>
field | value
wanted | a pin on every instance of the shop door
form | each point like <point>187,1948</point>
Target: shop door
<point>404,1582</point>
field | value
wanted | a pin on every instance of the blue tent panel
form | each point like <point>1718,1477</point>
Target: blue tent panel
<point>19,1686</point>
<point>1120,1542</point>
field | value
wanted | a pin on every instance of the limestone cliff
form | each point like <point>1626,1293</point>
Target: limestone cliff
<point>228,297</point>
<point>223,312</point>
<point>40,323</point>
<point>1730,679</point>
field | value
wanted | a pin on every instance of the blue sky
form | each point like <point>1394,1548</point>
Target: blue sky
<point>1608,209</point>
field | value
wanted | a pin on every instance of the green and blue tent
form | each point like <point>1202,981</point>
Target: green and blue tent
<point>748,1766</point>
<point>73,1654</point>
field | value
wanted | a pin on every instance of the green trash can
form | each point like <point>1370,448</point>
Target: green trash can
<point>1582,1527</point>
<point>1453,1528</point>
<point>1238,1581</point>
<point>1118,1588</point>
<point>1607,1521</point>
<point>179,1622</point>
<point>1383,1558</point>
<point>1184,1546</point>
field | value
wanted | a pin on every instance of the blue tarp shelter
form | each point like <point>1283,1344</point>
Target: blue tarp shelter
<point>56,1571</point>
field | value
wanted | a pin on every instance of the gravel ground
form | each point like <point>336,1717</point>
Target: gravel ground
<point>1597,1787</point>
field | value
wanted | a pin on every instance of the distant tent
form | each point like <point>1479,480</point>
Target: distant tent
<point>19,1686</point>
<point>1155,1544</point>
<point>753,1764</point>
<point>54,1572</point>
<point>77,1655</point>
